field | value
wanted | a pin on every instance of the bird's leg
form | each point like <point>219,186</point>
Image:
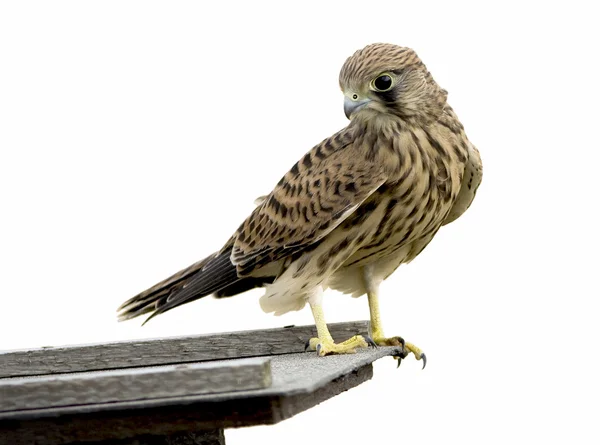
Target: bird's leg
<point>376,326</point>
<point>324,343</point>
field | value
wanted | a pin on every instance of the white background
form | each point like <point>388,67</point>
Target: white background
<point>134,137</point>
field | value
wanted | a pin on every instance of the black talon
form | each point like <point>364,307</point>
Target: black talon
<point>319,349</point>
<point>401,356</point>
<point>424,358</point>
<point>370,341</point>
<point>403,343</point>
<point>307,345</point>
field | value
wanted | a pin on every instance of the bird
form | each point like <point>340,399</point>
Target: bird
<point>352,210</point>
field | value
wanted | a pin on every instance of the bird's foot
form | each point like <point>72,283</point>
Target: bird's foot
<point>406,348</point>
<point>328,346</point>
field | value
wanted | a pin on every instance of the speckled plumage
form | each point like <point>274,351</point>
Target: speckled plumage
<point>355,207</point>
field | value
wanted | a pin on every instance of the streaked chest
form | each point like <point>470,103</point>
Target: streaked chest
<point>426,167</point>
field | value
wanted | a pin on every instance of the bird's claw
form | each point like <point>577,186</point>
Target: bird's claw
<point>402,343</point>
<point>370,341</point>
<point>405,353</point>
<point>401,356</point>
<point>328,346</point>
<point>392,341</point>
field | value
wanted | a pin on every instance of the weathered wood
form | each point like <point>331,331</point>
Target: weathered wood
<point>109,426</point>
<point>133,384</point>
<point>167,351</point>
<point>300,381</point>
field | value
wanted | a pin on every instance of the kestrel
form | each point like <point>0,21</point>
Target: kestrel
<point>354,208</point>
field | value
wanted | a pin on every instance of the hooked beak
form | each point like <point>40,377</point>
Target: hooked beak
<point>351,106</point>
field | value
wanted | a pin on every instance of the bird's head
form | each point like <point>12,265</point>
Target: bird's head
<point>389,80</point>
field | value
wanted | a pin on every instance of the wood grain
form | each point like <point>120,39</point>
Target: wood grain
<point>133,384</point>
<point>186,416</point>
<point>167,350</point>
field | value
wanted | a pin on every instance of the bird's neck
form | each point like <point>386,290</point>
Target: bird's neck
<point>399,145</point>
<point>377,124</point>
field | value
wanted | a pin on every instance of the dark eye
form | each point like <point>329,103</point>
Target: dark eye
<point>382,83</point>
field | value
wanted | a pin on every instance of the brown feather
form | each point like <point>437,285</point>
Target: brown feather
<point>313,198</point>
<point>372,197</point>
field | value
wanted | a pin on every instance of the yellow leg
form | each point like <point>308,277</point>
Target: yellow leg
<point>324,344</point>
<point>377,327</point>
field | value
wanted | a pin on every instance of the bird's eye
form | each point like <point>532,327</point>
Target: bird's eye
<point>382,83</point>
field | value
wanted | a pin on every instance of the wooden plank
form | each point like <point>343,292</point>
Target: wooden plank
<point>167,351</point>
<point>22,393</point>
<point>290,373</point>
<point>191,414</point>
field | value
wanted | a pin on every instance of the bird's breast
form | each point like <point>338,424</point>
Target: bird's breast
<point>409,209</point>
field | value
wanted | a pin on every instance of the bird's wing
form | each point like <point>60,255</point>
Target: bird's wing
<point>321,190</point>
<point>470,182</point>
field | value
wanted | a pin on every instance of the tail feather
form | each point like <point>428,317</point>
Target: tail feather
<point>196,281</point>
<point>243,285</point>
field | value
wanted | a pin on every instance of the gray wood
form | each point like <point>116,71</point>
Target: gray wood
<point>111,422</point>
<point>133,384</point>
<point>166,351</point>
<point>299,382</point>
